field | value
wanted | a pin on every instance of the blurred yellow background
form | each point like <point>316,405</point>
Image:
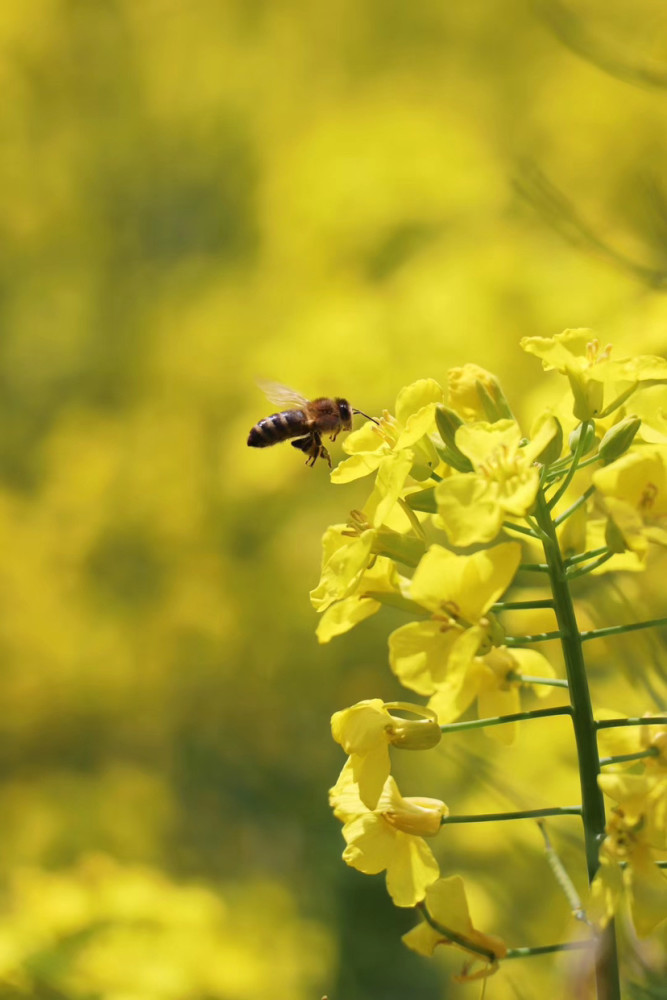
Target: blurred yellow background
<point>343,197</point>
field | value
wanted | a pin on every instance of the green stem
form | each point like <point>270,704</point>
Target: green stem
<point>652,720</point>
<point>522,605</point>
<point>517,814</point>
<point>534,567</point>
<point>500,720</point>
<point>586,495</point>
<point>556,682</point>
<point>455,937</point>
<point>581,444</point>
<point>591,566</point>
<point>600,633</point>
<point>518,527</point>
<point>524,640</point>
<point>593,813</point>
<point>621,758</point>
<point>584,556</point>
<point>548,949</point>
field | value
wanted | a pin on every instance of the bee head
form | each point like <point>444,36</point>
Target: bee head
<point>345,411</point>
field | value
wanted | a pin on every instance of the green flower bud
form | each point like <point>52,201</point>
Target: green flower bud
<point>447,422</point>
<point>618,439</point>
<point>554,432</point>
<point>424,500</point>
<point>589,440</point>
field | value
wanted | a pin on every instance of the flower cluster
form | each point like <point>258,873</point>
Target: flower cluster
<point>464,499</point>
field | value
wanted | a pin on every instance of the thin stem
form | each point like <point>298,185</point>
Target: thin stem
<point>591,566</point>
<point>523,640</point>
<point>520,529</point>
<point>600,633</point>
<point>621,758</point>
<point>500,720</point>
<point>534,567</point>
<point>455,937</point>
<point>518,814</point>
<point>561,875</point>
<point>593,813</point>
<point>548,949</point>
<point>652,720</point>
<point>522,605</point>
<point>556,682</point>
<point>586,495</point>
<point>584,556</point>
<point>434,475</point>
<point>583,434</point>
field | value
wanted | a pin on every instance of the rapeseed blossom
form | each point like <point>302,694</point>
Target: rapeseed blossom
<point>447,907</point>
<point>504,482</point>
<point>390,837</point>
<point>599,384</point>
<point>637,826</point>
<point>434,655</point>
<point>365,732</point>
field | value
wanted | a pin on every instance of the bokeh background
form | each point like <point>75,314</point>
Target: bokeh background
<point>343,196</point>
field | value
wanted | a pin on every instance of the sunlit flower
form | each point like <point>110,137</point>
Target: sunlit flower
<point>447,907</point>
<point>634,490</point>
<point>380,583</point>
<point>389,837</point>
<point>496,681</point>
<point>599,384</point>
<point>365,732</point>
<point>637,824</point>
<point>614,741</point>
<point>504,482</point>
<point>475,394</point>
<point>435,654</point>
<point>399,441</point>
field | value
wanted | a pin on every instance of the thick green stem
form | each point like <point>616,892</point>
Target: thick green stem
<point>593,814</point>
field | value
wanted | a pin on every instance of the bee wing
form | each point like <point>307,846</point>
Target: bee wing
<point>280,394</point>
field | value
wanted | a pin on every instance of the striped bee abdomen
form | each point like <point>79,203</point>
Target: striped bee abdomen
<point>278,427</point>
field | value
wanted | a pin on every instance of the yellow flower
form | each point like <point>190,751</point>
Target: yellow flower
<point>634,489</point>
<point>476,394</point>
<point>495,680</point>
<point>504,482</point>
<point>447,907</point>
<point>377,584</point>
<point>390,837</point>
<point>434,655</point>
<point>599,384</point>
<point>399,441</point>
<point>620,740</point>
<point>637,824</point>
<point>365,731</point>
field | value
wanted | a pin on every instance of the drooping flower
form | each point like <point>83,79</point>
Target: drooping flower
<point>435,654</point>
<point>504,482</point>
<point>447,907</point>
<point>637,825</point>
<point>390,837</point>
<point>599,384</point>
<point>366,730</point>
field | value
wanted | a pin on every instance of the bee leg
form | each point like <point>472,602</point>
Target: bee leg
<point>310,445</point>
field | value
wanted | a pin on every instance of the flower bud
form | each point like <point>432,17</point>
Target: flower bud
<point>589,440</point>
<point>549,428</point>
<point>418,816</point>
<point>618,439</point>
<point>448,422</point>
<point>422,735</point>
<point>476,394</point>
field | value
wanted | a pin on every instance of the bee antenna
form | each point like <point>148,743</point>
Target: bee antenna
<point>362,414</point>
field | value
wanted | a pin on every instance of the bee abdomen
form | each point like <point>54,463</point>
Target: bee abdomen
<point>277,427</point>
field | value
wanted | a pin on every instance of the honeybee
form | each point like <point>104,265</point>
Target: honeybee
<point>306,421</point>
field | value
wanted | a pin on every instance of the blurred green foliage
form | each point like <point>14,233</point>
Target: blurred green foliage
<point>342,196</point>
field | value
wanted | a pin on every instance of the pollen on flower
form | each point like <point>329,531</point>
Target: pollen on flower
<point>594,355</point>
<point>648,497</point>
